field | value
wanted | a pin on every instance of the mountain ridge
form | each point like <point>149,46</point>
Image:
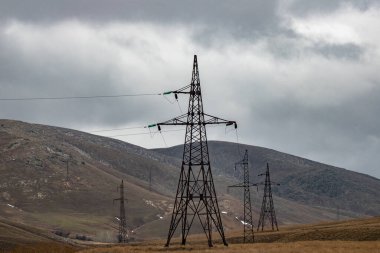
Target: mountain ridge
<point>312,177</point>
<point>34,189</point>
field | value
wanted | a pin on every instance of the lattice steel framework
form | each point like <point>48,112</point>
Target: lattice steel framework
<point>248,221</point>
<point>123,233</point>
<point>196,196</point>
<point>267,207</point>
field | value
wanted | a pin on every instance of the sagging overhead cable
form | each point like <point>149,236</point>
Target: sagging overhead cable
<point>79,97</point>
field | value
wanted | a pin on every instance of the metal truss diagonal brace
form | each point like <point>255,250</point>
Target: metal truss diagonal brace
<point>179,91</point>
<point>182,121</point>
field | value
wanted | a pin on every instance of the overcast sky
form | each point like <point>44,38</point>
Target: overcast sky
<point>302,77</point>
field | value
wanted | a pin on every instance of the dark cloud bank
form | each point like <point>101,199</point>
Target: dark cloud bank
<point>306,91</point>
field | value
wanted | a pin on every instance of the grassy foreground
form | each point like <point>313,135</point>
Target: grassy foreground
<point>45,247</point>
<point>295,247</point>
<point>359,235</point>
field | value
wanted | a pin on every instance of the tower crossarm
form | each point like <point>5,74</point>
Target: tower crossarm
<point>210,120</point>
<point>118,199</point>
<point>179,91</point>
<point>121,198</point>
<point>242,162</point>
<point>271,183</point>
<point>241,185</point>
<point>182,121</point>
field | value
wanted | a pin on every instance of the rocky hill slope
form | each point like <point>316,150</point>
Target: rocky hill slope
<point>36,190</point>
<point>301,180</point>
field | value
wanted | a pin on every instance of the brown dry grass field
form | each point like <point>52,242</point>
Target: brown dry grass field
<point>44,247</point>
<point>360,235</point>
<point>294,247</point>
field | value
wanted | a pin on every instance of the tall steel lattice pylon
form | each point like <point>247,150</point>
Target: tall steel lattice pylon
<point>196,196</point>
<point>267,207</point>
<point>248,221</point>
<point>123,233</point>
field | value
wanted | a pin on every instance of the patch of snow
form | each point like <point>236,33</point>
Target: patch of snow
<point>12,206</point>
<point>149,202</point>
<point>50,150</point>
<point>40,195</point>
<point>80,151</point>
<point>245,223</point>
<point>104,163</point>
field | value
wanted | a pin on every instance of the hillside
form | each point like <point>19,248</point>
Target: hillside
<point>35,190</point>
<point>14,236</point>
<point>302,180</point>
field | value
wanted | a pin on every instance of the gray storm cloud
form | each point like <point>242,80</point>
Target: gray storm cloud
<point>299,77</point>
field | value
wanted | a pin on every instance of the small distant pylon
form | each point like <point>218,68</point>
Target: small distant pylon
<point>267,207</point>
<point>150,179</point>
<point>123,233</point>
<point>67,170</point>
<point>248,221</point>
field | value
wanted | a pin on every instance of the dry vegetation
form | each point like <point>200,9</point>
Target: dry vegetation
<point>301,247</point>
<point>361,235</point>
<point>45,247</point>
<point>350,230</point>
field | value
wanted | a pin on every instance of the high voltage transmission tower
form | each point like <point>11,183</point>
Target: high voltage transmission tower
<point>267,207</point>
<point>196,196</point>
<point>248,221</point>
<point>150,179</point>
<point>67,170</point>
<point>123,233</point>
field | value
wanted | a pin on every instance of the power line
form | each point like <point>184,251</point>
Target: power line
<point>128,128</point>
<point>79,97</point>
<point>145,133</point>
<point>115,129</point>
